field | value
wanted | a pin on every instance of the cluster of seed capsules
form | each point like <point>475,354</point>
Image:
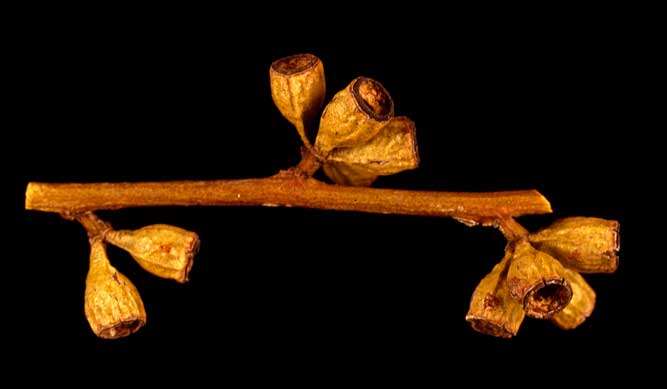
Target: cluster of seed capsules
<point>359,139</point>
<point>539,277</point>
<point>112,304</point>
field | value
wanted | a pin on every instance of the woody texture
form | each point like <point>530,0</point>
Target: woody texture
<point>358,139</point>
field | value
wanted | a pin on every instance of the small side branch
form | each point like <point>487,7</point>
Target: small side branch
<point>511,229</point>
<point>94,226</point>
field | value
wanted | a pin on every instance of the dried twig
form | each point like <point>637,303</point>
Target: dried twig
<point>289,190</point>
<point>359,139</point>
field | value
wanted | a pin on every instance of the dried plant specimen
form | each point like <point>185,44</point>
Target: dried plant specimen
<point>390,151</point>
<point>537,281</point>
<point>493,310</point>
<point>354,116</point>
<point>112,303</point>
<point>297,88</point>
<point>163,250</point>
<point>359,139</point>
<point>585,244</point>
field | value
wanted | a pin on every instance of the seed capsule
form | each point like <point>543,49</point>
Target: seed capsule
<point>163,250</point>
<point>537,281</point>
<point>298,88</point>
<point>392,150</point>
<point>112,304</point>
<point>580,307</point>
<point>492,310</point>
<point>354,115</point>
<point>584,244</point>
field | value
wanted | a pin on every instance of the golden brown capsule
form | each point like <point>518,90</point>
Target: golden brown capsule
<point>580,307</point>
<point>492,310</point>
<point>537,281</point>
<point>354,115</point>
<point>584,244</point>
<point>392,150</point>
<point>298,88</point>
<point>163,250</point>
<point>112,304</point>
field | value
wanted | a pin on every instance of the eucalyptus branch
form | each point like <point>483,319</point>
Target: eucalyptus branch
<point>358,140</point>
<point>285,189</point>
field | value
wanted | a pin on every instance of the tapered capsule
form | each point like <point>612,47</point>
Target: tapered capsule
<point>354,115</point>
<point>537,281</point>
<point>492,310</point>
<point>584,244</point>
<point>163,250</point>
<point>112,303</point>
<point>392,150</point>
<point>298,88</point>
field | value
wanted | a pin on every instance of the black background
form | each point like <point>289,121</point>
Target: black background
<point>499,105</point>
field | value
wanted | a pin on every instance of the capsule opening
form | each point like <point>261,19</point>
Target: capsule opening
<point>373,98</point>
<point>294,63</point>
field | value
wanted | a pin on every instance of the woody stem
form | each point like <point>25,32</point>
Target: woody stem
<point>289,190</point>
